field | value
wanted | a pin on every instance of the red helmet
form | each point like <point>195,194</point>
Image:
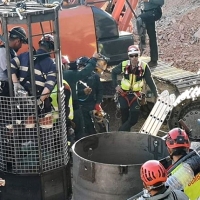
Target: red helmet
<point>153,172</point>
<point>133,49</point>
<point>177,137</point>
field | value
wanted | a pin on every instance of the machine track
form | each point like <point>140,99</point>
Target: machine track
<point>186,86</point>
<point>189,112</point>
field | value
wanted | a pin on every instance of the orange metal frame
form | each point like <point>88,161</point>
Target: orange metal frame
<point>77,28</point>
<point>124,19</point>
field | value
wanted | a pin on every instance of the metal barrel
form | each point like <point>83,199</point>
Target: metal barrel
<point>107,165</point>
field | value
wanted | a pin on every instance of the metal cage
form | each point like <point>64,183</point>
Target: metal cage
<point>28,147</point>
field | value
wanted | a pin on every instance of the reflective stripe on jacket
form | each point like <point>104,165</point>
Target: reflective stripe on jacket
<point>193,188</point>
<point>54,96</point>
<point>132,83</point>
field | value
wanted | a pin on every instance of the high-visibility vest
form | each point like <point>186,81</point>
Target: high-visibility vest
<point>192,190</point>
<point>54,96</point>
<point>131,83</point>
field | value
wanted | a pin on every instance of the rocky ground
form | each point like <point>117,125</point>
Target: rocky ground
<point>178,34</point>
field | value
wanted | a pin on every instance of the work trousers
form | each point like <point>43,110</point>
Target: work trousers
<point>129,114</point>
<point>4,89</point>
<point>5,116</point>
<point>79,123</point>
<point>88,122</point>
<point>149,18</point>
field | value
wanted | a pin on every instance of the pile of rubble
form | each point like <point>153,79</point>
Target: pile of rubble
<point>178,34</point>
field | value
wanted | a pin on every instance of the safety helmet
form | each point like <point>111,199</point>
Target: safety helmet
<point>82,61</point>
<point>48,41</point>
<point>177,137</point>
<point>133,49</point>
<point>18,32</point>
<point>65,59</point>
<point>153,172</point>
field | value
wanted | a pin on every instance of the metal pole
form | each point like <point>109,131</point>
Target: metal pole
<point>33,86</point>
<point>58,58</point>
<point>8,58</point>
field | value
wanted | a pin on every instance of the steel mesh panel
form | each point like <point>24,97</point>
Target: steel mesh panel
<point>26,146</point>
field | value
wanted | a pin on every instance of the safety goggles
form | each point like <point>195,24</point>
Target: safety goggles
<point>133,55</point>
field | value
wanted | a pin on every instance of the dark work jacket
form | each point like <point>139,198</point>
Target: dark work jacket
<point>45,71</point>
<point>96,96</point>
<point>73,76</point>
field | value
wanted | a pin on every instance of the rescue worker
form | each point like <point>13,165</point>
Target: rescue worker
<point>187,175</point>
<point>69,112</point>
<point>16,37</point>
<point>90,95</point>
<point>151,12</point>
<point>45,79</point>
<point>72,77</point>
<point>154,176</point>
<point>134,73</point>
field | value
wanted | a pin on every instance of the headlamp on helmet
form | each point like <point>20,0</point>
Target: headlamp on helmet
<point>177,137</point>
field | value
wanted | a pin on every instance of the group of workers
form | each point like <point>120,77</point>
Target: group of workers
<point>82,86</point>
<point>180,183</point>
<point>84,95</point>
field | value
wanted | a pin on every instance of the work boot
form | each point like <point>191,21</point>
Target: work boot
<point>46,121</point>
<point>152,63</point>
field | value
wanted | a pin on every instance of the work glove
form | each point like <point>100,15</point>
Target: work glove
<point>17,86</point>
<point>87,90</point>
<point>98,107</point>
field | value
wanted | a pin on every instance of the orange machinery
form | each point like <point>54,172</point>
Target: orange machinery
<point>85,29</point>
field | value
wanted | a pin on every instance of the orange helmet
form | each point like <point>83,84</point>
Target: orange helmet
<point>133,49</point>
<point>153,172</point>
<point>177,137</point>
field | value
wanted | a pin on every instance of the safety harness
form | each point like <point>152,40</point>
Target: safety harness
<point>137,96</point>
<point>139,72</point>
